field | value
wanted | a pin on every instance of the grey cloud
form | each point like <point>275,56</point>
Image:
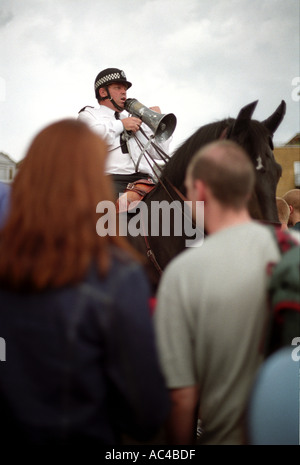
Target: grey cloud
<point>6,17</point>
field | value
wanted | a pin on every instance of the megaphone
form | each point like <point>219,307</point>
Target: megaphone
<point>162,126</point>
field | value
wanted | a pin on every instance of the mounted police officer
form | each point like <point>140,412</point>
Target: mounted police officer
<point>122,133</point>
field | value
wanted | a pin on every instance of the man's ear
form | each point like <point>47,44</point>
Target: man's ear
<point>102,92</point>
<point>200,189</point>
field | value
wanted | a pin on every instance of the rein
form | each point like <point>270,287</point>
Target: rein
<point>150,253</point>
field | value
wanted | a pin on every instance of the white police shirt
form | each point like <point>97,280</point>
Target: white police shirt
<point>102,120</point>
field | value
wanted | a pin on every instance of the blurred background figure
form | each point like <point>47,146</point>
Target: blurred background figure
<point>292,198</point>
<point>4,201</point>
<point>81,364</point>
<point>273,413</point>
<point>283,212</point>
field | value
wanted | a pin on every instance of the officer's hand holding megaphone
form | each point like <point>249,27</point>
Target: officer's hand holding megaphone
<point>131,123</point>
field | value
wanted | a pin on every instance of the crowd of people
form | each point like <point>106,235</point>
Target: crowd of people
<point>288,208</point>
<point>87,361</point>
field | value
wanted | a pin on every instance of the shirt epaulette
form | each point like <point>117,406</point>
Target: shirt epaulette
<point>87,106</point>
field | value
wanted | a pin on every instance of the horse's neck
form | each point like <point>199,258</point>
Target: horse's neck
<point>175,170</point>
<point>166,190</point>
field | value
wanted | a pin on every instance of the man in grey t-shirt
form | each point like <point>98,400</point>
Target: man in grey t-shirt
<point>211,303</point>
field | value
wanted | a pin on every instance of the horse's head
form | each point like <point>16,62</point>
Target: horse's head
<point>257,139</point>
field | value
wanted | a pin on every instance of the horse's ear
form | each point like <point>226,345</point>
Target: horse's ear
<point>276,118</point>
<point>243,118</point>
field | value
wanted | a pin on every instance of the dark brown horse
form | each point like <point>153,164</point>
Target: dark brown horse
<point>255,137</point>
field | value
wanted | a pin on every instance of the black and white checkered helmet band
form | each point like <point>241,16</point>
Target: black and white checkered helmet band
<point>112,77</point>
<point>107,78</point>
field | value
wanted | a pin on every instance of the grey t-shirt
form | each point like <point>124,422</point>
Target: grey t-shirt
<point>210,318</point>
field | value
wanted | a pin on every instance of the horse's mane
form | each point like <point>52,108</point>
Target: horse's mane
<point>252,141</point>
<point>175,169</point>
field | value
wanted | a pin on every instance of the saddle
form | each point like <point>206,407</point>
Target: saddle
<point>134,193</point>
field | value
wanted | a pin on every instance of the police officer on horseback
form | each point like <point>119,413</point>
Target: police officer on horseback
<point>126,136</point>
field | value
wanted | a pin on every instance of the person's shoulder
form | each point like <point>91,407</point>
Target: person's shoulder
<point>123,268</point>
<point>288,234</point>
<point>295,233</point>
<point>86,114</point>
<point>101,111</point>
<point>280,239</point>
<point>86,108</point>
<point>296,227</point>
<point>259,230</point>
<point>255,227</point>
<point>123,257</point>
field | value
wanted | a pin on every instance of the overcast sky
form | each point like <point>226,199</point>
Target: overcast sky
<point>200,59</point>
